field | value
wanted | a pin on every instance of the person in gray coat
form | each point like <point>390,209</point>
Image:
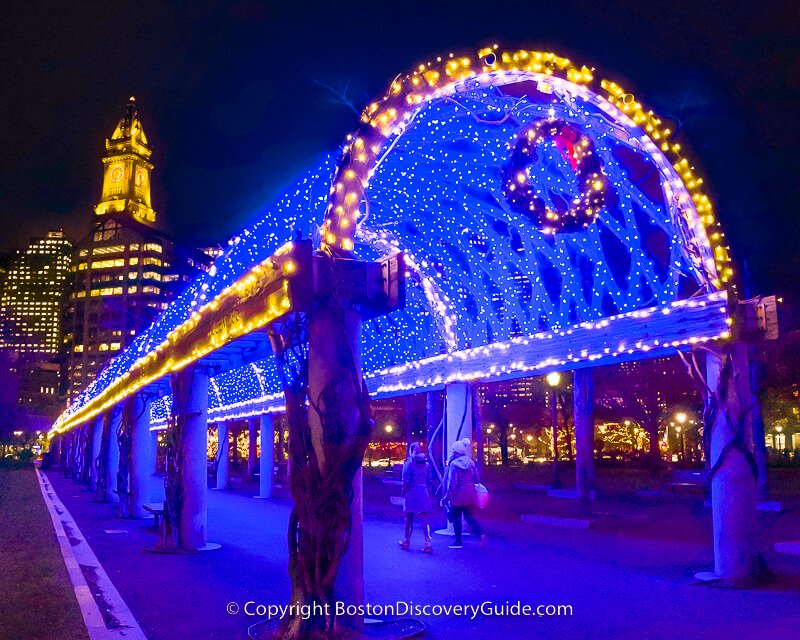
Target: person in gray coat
<point>416,495</point>
<point>460,496</point>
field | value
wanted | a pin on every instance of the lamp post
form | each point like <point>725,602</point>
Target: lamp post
<point>553,379</point>
<point>680,418</point>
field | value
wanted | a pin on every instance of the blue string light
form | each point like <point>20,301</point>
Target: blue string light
<point>481,268</point>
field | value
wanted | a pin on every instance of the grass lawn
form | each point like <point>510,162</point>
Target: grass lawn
<point>37,601</point>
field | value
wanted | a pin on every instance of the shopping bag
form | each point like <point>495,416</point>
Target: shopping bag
<point>481,495</point>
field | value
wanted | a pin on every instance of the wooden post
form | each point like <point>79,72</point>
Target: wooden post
<point>252,447</point>
<point>434,408</point>
<point>459,415</point>
<point>95,438</point>
<point>142,455</point>
<point>583,414</point>
<point>334,360</point>
<point>350,581</point>
<point>55,451</point>
<point>223,456</point>
<point>458,423</point>
<point>759,435</point>
<point>267,461</point>
<point>111,465</point>
<point>733,483</point>
<point>67,452</point>
<point>193,446</point>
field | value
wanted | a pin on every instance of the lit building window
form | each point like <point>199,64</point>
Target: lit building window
<point>108,264</point>
<point>101,251</point>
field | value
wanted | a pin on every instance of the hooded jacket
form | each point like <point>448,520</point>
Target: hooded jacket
<point>416,498</point>
<point>462,475</point>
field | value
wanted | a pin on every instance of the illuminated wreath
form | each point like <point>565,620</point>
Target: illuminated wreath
<point>576,149</point>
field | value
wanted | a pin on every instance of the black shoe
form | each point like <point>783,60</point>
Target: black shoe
<point>456,545</point>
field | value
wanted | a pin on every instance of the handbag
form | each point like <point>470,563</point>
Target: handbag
<point>481,495</point>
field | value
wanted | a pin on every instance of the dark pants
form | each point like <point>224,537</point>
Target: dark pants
<point>467,512</point>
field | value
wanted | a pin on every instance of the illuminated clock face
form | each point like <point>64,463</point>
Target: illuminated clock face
<point>117,172</point>
<point>140,177</point>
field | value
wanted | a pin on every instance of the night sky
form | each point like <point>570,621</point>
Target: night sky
<point>233,98</point>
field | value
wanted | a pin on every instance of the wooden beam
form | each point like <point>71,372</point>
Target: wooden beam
<point>638,335</point>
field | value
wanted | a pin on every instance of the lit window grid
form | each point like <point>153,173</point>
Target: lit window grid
<point>31,296</point>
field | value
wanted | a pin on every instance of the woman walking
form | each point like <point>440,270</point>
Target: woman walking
<point>416,497</point>
<point>460,497</point>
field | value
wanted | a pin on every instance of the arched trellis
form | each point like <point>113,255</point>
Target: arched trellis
<point>366,203</point>
<point>385,122</point>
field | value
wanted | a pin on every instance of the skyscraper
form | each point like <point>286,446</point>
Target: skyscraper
<point>32,296</point>
<point>125,271</point>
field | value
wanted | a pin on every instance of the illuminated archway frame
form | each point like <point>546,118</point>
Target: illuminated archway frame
<point>383,123</point>
<point>645,332</point>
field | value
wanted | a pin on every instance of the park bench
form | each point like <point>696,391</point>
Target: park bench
<point>393,475</point>
<point>688,479</point>
<point>157,509</point>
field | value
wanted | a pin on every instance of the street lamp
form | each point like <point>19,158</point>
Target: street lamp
<point>679,431</point>
<point>553,379</point>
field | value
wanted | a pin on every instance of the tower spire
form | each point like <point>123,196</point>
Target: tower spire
<point>126,183</point>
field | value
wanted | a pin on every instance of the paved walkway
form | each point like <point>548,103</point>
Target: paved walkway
<point>628,580</point>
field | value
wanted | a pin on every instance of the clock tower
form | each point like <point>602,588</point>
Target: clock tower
<point>126,170</point>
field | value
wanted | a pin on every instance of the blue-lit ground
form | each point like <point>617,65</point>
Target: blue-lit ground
<point>628,579</point>
<point>482,269</point>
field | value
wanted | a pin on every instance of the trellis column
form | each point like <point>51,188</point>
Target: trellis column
<point>112,456</point>
<point>334,355</point>
<point>459,415</point>
<point>223,456</point>
<point>267,463</point>
<point>458,422</point>
<point>434,406</point>
<point>252,446</point>
<point>583,412</point>
<point>55,451</point>
<point>154,444</point>
<point>142,455</point>
<point>193,448</point>
<point>93,453</point>
<point>733,485</point>
<point>66,452</point>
